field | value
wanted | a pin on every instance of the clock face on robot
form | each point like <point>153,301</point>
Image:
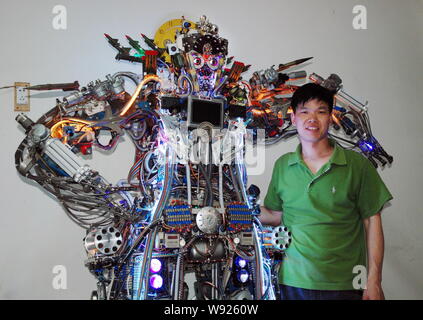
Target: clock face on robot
<point>208,220</point>
<point>167,31</point>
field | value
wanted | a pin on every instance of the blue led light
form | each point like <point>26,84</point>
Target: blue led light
<point>243,276</point>
<point>366,146</point>
<point>240,262</point>
<point>369,146</point>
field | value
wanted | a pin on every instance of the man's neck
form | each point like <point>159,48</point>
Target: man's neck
<point>316,150</point>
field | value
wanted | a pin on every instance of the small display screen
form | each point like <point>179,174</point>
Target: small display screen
<point>172,237</point>
<point>206,110</point>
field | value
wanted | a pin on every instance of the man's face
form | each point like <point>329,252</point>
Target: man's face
<point>312,120</point>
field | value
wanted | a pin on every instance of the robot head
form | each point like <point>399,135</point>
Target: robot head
<point>205,56</point>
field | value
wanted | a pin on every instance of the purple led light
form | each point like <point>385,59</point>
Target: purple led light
<point>155,265</point>
<point>156,281</point>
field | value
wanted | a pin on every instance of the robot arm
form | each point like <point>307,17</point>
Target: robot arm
<point>271,92</point>
<point>270,108</point>
<point>352,122</point>
<point>86,196</point>
<point>49,153</point>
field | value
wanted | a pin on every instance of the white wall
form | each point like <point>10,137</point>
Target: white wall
<point>382,64</point>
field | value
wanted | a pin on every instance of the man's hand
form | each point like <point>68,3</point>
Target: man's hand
<point>373,292</point>
<point>270,217</point>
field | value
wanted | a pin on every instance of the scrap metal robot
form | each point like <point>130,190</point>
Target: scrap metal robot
<point>185,207</point>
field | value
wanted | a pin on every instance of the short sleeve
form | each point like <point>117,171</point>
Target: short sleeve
<point>272,200</point>
<point>373,192</point>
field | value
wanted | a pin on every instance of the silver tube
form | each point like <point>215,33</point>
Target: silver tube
<point>157,214</point>
<point>54,155</point>
<point>297,74</point>
<point>352,102</point>
<point>217,281</point>
<point>214,281</point>
<point>259,265</point>
<point>235,183</point>
<point>130,75</point>
<point>241,184</point>
<point>172,282</point>
<point>222,204</point>
<point>66,159</point>
<point>271,290</point>
<point>58,152</point>
<point>110,286</point>
<point>146,260</point>
<point>181,280</point>
<point>227,272</point>
<point>177,275</point>
<point>188,182</point>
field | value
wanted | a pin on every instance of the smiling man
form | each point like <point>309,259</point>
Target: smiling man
<point>330,198</point>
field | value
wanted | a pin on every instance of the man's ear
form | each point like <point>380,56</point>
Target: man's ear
<point>292,114</point>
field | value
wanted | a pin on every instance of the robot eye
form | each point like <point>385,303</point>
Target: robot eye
<point>198,62</point>
<point>213,63</point>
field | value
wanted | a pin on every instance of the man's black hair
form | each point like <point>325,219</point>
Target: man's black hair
<point>309,92</point>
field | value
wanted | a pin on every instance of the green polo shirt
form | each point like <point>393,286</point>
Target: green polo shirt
<point>325,212</point>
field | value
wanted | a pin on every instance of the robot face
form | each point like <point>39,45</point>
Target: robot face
<point>205,69</point>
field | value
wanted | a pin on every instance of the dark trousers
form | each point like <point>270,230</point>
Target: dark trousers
<point>293,293</point>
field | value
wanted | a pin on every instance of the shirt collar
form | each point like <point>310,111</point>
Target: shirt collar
<point>338,155</point>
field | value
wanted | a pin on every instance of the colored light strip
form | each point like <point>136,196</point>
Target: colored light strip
<point>148,78</point>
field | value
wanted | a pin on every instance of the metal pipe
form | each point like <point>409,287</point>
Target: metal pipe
<point>176,274</point>
<point>222,204</point>
<point>168,178</point>
<point>241,184</point>
<point>181,278</point>
<point>352,102</point>
<point>259,265</point>
<point>188,176</point>
<point>131,75</point>
<point>234,183</point>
